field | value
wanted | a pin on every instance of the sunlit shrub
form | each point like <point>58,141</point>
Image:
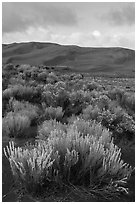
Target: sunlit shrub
<point>91,128</point>
<point>68,158</point>
<point>88,159</point>
<point>15,125</point>
<point>31,166</point>
<point>47,126</point>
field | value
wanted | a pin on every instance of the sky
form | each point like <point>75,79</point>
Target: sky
<point>90,24</point>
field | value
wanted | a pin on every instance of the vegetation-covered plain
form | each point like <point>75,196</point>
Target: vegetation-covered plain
<point>83,132</point>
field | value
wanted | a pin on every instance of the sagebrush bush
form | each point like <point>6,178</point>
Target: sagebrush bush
<point>91,128</point>
<point>25,108</point>
<point>95,165</point>
<point>67,157</point>
<point>91,112</point>
<point>15,125</point>
<point>30,165</point>
<point>42,76</point>
<point>94,86</point>
<point>53,113</point>
<point>8,67</point>
<point>21,92</point>
<point>129,102</point>
<point>114,118</point>
<point>47,126</point>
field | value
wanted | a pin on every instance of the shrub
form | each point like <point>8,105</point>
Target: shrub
<point>21,92</point>
<point>71,159</point>
<point>115,119</point>
<point>42,76</point>
<point>47,126</point>
<point>30,166</point>
<point>129,102</point>
<point>91,112</point>
<point>103,102</point>
<point>94,86</point>
<point>48,96</point>
<point>15,125</point>
<point>89,162</point>
<point>116,94</point>
<point>78,101</point>
<point>8,67</point>
<point>91,128</point>
<point>24,108</point>
<point>52,113</point>
<point>126,100</point>
<point>52,78</point>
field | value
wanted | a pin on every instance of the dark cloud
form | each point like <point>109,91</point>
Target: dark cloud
<point>20,16</point>
<point>122,16</point>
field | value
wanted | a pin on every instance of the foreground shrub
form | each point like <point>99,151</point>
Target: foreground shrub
<point>30,166</point>
<point>69,158</point>
<point>15,125</point>
<point>85,160</point>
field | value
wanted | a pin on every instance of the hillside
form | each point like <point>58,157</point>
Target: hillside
<point>75,57</point>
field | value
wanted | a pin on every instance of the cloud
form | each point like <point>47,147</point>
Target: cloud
<point>88,39</point>
<point>96,33</point>
<point>20,16</point>
<point>121,16</point>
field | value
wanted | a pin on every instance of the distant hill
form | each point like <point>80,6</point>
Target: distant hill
<point>76,58</point>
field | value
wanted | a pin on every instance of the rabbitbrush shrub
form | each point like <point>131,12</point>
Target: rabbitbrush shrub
<point>69,158</point>
<point>15,125</point>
